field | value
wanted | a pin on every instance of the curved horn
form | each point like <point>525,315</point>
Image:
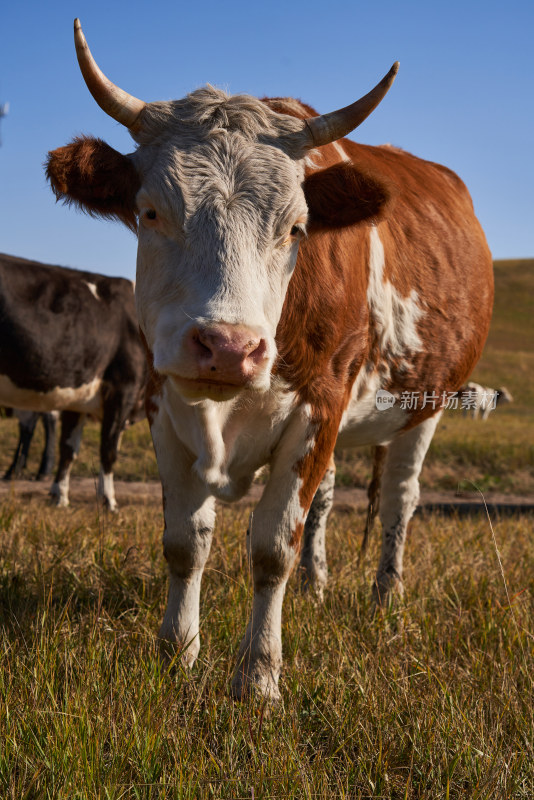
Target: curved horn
<point>123,107</point>
<point>329,127</point>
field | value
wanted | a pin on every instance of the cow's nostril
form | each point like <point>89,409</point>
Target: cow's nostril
<point>202,347</point>
<point>259,352</point>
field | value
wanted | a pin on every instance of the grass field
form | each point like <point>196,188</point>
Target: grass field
<point>432,699</point>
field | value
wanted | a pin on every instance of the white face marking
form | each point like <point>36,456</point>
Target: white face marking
<point>394,317</point>
<point>92,288</point>
<point>216,212</point>
<point>86,398</point>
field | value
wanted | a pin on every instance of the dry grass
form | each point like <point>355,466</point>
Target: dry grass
<point>431,700</point>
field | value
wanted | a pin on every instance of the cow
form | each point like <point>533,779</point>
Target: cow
<point>481,400</point>
<point>27,423</point>
<point>286,278</point>
<point>69,341</point>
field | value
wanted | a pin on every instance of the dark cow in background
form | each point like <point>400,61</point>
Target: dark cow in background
<point>27,423</point>
<point>288,280</point>
<point>69,341</point>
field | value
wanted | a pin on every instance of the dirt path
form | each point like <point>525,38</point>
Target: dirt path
<point>83,490</point>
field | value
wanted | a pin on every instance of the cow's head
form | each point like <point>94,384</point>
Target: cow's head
<point>217,191</point>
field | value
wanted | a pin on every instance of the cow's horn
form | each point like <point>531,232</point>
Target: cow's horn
<point>329,127</point>
<point>123,107</point>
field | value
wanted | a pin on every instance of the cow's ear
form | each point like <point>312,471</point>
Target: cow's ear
<point>346,194</point>
<point>96,178</point>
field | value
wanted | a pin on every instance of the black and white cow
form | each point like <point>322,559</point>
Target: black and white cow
<point>69,341</point>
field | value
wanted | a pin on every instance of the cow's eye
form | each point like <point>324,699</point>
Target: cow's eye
<point>150,214</point>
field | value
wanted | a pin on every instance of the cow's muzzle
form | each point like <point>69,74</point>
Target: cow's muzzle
<point>219,360</point>
<point>229,354</point>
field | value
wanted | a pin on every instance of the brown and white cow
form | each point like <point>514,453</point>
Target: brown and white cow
<point>284,276</point>
<point>69,341</point>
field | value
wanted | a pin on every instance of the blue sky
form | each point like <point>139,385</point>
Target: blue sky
<point>463,95</point>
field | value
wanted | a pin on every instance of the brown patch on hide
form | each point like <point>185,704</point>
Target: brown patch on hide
<point>296,536</point>
<point>96,178</point>
<point>433,246</point>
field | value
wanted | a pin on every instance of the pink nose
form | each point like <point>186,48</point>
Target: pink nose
<point>226,353</point>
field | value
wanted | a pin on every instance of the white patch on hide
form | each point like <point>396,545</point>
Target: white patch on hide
<point>85,399</point>
<point>341,152</point>
<point>394,317</point>
<point>362,423</point>
<point>93,289</point>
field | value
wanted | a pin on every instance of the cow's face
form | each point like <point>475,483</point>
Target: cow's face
<point>216,191</point>
<point>220,217</point>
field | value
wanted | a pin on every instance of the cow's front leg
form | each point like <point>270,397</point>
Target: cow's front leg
<point>189,518</point>
<point>399,496</point>
<point>273,542</point>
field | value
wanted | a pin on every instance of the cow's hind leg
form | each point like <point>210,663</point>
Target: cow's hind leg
<point>49,420</point>
<point>117,406</point>
<point>398,500</point>
<point>373,496</point>
<point>313,566</point>
<point>27,422</point>
<point>69,446</point>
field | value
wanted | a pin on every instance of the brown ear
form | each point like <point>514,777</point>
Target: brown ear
<point>345,194</point>
<point>96,178</point>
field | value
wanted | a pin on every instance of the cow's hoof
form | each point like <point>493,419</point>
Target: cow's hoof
<point>261,684</point>
<point>56,499</point>
<point>313,581</point>
<point>173,653</point>
<point>386,587</point>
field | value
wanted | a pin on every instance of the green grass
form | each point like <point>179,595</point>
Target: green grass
<point>432,700</point>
